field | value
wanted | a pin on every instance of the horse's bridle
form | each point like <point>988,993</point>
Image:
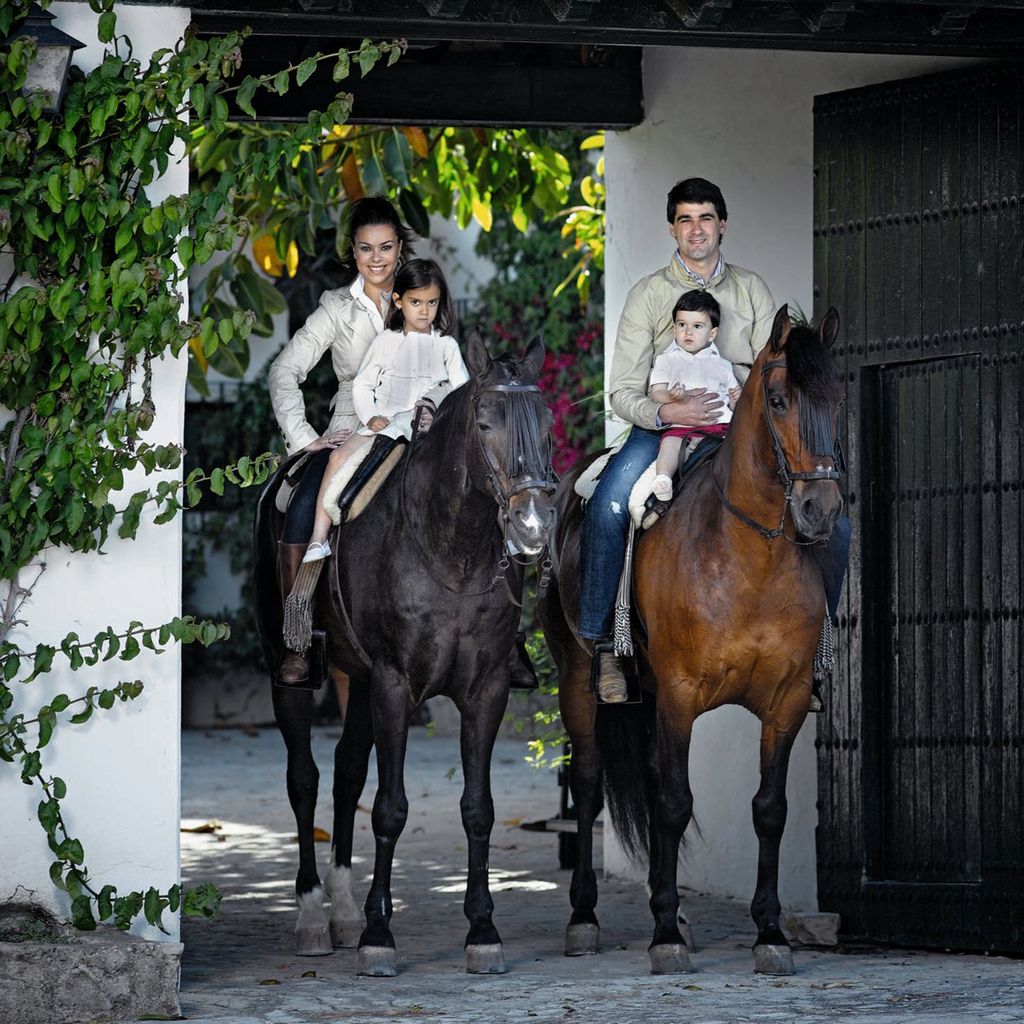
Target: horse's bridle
<point>524,483</point>
<point>502,496</point>
<point>786,474</point>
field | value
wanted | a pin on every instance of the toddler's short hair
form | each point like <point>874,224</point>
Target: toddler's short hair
<point>698,301</point>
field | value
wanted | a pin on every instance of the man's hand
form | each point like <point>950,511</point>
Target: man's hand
<point>697,408</point>
<point>378,423</point>
<point>329,440</point>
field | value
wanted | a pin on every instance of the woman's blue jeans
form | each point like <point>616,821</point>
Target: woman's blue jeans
<point>606,525</point>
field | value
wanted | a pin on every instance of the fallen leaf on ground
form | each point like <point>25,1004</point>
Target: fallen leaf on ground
<point>206,826</point>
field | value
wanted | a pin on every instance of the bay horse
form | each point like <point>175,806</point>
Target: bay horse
<point>729,606</point>
<point>421,597</point>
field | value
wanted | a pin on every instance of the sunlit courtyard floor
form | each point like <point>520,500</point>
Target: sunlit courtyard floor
<point>241,968</point>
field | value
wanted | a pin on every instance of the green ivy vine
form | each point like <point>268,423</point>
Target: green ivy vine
<point>92,301</point>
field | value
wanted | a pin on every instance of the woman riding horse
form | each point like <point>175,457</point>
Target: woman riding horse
<point>729,603</point>
<point>424,589</point>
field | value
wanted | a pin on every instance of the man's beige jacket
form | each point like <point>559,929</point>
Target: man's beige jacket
<point>645,331</point>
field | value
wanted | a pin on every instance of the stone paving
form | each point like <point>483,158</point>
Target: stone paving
<point>240,968</point>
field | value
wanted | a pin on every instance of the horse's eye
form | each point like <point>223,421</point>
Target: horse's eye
<point>483,427</point>
<point>777,402</point>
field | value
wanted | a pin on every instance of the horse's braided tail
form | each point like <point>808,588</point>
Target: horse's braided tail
<point>624,740</point>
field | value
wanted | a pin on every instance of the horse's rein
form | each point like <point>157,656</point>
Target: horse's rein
<point>786,475</point>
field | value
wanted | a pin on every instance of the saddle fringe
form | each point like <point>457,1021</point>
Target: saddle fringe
<point>298,608</point>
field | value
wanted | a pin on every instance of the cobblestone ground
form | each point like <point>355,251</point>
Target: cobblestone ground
<point>240,968</point>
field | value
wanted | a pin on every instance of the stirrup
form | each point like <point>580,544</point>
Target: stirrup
<point>606,649</point>
<point>316,662</point>
<point>816,705</point>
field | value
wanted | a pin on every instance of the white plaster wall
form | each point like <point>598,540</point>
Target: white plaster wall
<point>743,119</point>
<point>123,767</point>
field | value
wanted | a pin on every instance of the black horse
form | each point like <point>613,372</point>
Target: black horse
<point>420,598</point>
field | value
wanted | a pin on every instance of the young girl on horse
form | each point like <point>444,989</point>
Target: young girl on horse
<point>691,361</point>
<point>407,371</point>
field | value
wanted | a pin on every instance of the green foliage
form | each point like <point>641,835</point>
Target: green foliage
<point>94,299</point>
<point>469,173</point>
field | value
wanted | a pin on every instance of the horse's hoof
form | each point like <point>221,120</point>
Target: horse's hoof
<point>377,962</point>
<point>582,939</point>
<point>313,941</point>
<point>346,932</point>
<point>487,959</point>
<point>670,958</point>
<point>773,960</point>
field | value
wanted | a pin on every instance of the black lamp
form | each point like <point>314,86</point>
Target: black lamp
<point>49,71</point>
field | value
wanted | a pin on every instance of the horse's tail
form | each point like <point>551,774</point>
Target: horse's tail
<point>624,739</point>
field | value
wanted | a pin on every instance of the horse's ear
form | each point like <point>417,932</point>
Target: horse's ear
<point>478,359</point>
<point>781,326</point>
<point>828,329</point>
<point>534,359</point>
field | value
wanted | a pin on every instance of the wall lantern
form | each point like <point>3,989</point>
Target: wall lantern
<point>48,72</point>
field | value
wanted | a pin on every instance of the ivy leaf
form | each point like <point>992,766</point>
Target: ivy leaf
<point>281,83</point>
<point>83,716</point>
<point>202,901</point>
<point>106,26</point>
<point>245,93</point>
<point>153,907</point>
<point>341,67</point>
<point>368,56</point>
<point>305,69</point>
<point>81,914</point>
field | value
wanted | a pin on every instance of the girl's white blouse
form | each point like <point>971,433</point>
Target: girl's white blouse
<point>401,369</point>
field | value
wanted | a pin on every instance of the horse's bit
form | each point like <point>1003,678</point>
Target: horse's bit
<point>786,475</point>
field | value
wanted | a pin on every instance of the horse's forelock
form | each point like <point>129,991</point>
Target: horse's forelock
<point>810,368</point>
<point>810,371</point>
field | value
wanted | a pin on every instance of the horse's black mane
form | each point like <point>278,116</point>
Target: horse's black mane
<point>811,372</point>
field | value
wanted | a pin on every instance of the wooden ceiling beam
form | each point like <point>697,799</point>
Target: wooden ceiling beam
<point>993,28</point>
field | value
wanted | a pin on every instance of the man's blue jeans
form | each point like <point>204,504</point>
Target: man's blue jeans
<point>606,525</point>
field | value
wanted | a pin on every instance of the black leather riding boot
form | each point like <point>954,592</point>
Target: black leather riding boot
<point>294,666</point>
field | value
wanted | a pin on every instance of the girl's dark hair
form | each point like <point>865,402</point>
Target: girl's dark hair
<point>422,274</point>
<point>697,301</point>
<point>368,212</point>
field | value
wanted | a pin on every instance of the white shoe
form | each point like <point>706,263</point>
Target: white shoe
<point>317,550</point>
<point>662,487</point>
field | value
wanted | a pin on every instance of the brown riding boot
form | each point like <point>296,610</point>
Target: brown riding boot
<point>294,665</point>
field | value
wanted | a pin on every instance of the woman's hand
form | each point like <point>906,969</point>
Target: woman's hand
<point>331,439</point>
<point>378,423</point>
<point>734,396</point>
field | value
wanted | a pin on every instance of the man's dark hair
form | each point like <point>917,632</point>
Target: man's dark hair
<point>696,190</point>
<point>698,301</point>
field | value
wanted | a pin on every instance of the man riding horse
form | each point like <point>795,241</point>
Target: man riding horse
<point>697,219</point>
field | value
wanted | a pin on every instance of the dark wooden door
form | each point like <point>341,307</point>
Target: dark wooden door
<point>917,242</point>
